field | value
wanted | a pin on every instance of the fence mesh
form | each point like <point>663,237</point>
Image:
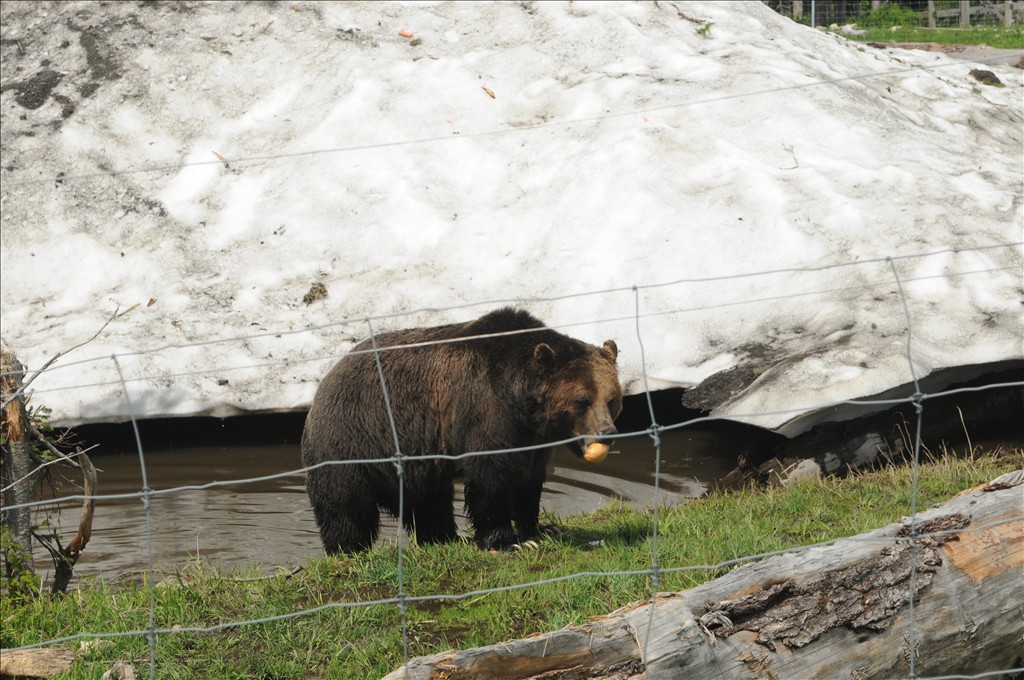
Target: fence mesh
<point>948,13</point>
<point>401,600</point>
<point>637,314</point>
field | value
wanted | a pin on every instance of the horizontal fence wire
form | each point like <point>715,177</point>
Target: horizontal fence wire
<point>146,494</point>
<point>853,290</point>
<point>393,460</point>
<point>401,600</point>
<point>59,177</point>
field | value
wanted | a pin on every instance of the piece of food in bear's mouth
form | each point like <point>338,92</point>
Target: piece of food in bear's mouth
<point>596,452</point>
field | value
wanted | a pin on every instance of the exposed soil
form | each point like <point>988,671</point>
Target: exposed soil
<point>33,92</point>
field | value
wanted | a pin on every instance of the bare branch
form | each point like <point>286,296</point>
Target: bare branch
<point>64,458</point>
<point>45,441</point>
<point>69,556</point>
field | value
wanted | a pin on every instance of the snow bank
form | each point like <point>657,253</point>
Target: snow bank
<point>712,179</point>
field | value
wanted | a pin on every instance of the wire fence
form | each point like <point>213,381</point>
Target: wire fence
<point>637,315</point>
<point>58,178</point>
<point>934,14</point>
<point>919,399</point>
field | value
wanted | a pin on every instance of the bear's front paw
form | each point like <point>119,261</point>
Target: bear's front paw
<point>538,531</point>
<point>517,547</point>
<point>498,539</point>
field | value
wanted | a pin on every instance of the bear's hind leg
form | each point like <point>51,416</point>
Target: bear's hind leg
<point>347,519</point>
<point>348,532</point>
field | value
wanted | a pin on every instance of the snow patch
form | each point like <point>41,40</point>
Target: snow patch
<point>690,186</point>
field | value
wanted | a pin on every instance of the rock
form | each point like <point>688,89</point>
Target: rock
<point>120,671</point>
<point>986,77</point>
<point>317,291</point>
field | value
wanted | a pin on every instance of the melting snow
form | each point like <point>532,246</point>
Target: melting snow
<point>710,173</point>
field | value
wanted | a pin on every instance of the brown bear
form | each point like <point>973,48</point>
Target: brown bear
<point>503,381</point>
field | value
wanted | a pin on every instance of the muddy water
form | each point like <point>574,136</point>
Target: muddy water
<point>270,522</point>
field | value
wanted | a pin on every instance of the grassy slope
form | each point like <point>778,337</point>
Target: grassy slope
<point>366,641</point>
<point>1011,38</point>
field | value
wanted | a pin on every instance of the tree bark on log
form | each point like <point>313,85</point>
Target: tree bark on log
<point>842,610</point>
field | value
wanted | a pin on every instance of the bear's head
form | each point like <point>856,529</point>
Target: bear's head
<point>582,396</point>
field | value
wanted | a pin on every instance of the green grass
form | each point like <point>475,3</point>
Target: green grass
<point>1004,38</point>
<point>893,23</point>
<point>366,641</point>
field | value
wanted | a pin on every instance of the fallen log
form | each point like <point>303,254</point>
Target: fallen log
<point>842,610</point>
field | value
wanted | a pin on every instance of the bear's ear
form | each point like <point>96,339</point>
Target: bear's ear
<point>544,355</point>
<point>612,349</point>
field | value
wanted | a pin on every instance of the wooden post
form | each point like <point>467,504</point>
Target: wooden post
<point>17,454</point>
<point>965,13</point>
<point>1008,13</point>
<point>931,14</point>
<point>798,9</point>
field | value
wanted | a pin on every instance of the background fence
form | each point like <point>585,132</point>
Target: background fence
<point>932,13</point>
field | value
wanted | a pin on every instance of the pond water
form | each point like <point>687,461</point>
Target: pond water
<point>270,523</point>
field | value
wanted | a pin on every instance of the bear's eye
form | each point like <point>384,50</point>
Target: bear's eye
<point>582,405</point>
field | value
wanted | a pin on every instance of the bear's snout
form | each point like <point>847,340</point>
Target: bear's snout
<point>602,437</point>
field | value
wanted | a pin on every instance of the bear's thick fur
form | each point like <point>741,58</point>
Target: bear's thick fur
<point>517,385</point>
